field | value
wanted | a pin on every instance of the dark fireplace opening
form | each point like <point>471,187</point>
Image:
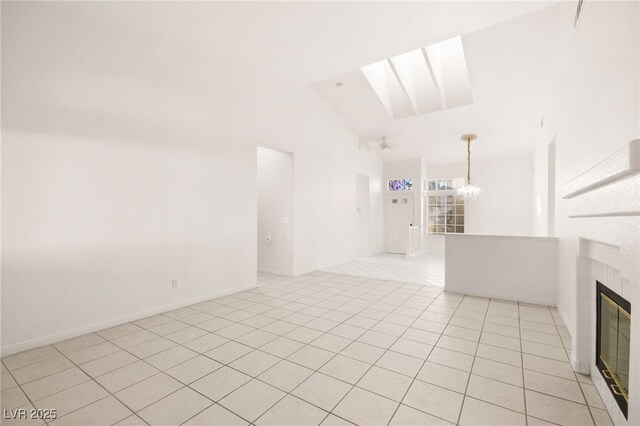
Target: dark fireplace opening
<point>613,334</point>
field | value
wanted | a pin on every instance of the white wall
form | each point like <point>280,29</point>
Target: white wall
<point>275,211</point>
<point>325,167</point>
<point>376,207</point>
<point>592,107</point>
<point>522,269</point>
<point>129,161</point>
<point>541,184</point>
<point>503,208</point>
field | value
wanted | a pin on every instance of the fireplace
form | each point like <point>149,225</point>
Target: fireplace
<point>613,335</point>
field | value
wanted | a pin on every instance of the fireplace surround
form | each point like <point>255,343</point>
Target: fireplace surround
<point>602,206</point>
<point>613,343</point>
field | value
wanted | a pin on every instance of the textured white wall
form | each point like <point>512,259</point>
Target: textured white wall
<point>503,208</point>
<point>592,107</point>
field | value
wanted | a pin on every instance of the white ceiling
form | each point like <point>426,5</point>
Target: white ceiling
<point>507,47</point>
<point>507,64</point>
<point>431,78</point>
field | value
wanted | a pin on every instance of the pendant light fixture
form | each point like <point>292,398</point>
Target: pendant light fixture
<point>468,191</point>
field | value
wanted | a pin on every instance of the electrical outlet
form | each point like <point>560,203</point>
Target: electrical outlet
<point>174,283</point>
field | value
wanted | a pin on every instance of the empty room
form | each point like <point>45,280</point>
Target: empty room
<point>320,213</point>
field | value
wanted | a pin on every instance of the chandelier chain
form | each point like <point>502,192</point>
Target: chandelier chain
<point>468,191</point>
<point>469,161</point>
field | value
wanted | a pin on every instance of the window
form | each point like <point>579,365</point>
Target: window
<point>400,184</point>
<point>432,78</point>
<point>444,207</point>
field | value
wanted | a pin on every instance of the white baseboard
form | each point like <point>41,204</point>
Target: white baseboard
<point>317,268</point>
<point>570,325</point>
<point>579,367</point>
<point>68,334</point>
<point>309,270</point>
<point>275,272</point>
<point>503,297</point>
<point>298,272</point>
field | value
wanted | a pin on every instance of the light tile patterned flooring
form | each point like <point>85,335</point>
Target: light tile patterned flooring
<point>324,349</point>
<point>426,269</point>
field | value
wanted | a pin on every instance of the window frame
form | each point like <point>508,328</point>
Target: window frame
<point>403,185</point>
<point>446,190</point>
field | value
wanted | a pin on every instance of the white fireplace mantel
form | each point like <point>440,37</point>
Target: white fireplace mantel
<point>603,205</point>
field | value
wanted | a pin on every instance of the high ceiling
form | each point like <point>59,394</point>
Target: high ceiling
<point>312,44</point>
<point>508,68</point>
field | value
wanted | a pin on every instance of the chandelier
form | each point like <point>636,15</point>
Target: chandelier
<point>468,191</point>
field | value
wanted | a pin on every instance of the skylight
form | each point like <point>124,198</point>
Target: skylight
<point>428,79</point>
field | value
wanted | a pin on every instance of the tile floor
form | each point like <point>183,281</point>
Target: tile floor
<point>323,348</point>
<point>426,269</point>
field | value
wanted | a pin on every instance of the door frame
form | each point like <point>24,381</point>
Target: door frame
<point>389,194</point>
<point>288,267</point>
<point>359,243</point>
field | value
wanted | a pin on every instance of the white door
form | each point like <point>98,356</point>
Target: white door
<point>399,216</point>
<point>362,214</point>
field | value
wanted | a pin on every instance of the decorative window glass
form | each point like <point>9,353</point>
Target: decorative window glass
<point>444,208</point>
<point>400,184</point>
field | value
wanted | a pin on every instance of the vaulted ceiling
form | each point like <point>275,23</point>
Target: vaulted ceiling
<point>507,64</point>
<point>314,45</point>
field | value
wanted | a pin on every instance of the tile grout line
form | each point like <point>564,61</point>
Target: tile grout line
<point>260,380</point>
<point>93,379</point>
<point>293,297</point>
<point>99,384</point>
<point>473,361</point>
<point>252,351</point>
<point>329,360</point>
<point>424,362</point>
<point>19,386</point>
<point>385,351</point>
<point>524,383</point>
<point>286,359</point>
<point>371,366</point>
<point>133,384</point>
<point>576,377</point>
<point>214,332</point>
<point>414,321</point>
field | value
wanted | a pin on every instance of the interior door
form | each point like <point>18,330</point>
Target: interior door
<point>399,215</point>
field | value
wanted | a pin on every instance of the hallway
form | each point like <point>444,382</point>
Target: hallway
<point>425,269</point>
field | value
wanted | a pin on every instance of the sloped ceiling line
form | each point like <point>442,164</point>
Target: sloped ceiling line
<point>443,103</point>
<point>406,89</point>
<point>410,97</point>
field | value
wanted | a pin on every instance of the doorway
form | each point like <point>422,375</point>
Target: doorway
<point>362,214</point>
<point>399,215</point>
<point>275,211</point>
<point>551,188</point>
